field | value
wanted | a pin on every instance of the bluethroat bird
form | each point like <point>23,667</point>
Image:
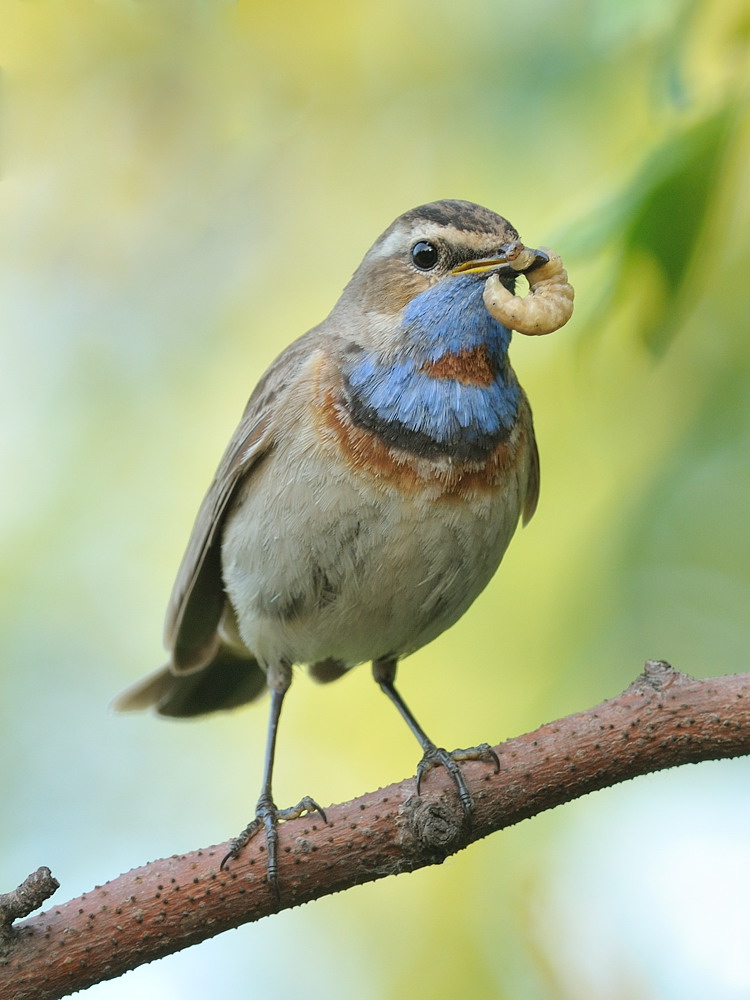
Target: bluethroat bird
<point>373,484</point>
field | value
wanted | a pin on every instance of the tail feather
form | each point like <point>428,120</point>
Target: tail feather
<point>227,681</point>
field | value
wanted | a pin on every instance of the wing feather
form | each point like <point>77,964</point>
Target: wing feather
<point>198,599</point>
<point>196,607</point>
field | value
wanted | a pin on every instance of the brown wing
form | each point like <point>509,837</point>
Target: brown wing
<point>532,476</point>
<point>533,482</point>
<point>198,598</point>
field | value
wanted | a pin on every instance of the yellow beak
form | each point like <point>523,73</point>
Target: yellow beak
<point>481,266</point>
<point>484,265</point>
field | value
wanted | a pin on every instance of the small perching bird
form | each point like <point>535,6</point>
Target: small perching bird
<point>373,484</point>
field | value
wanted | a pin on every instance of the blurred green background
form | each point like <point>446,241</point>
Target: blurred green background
<point>187,186</point>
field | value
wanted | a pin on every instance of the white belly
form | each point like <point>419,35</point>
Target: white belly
<point>337,566</point>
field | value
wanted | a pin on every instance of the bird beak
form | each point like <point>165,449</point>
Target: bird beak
<point>504,261</point>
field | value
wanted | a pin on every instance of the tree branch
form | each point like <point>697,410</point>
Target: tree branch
<point>663,719</point>
<point>29,896</point>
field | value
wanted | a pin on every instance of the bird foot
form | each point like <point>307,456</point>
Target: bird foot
<point>268,817</point>
<point>436,756</point>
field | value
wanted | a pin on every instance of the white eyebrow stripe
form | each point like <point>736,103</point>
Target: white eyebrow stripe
<point>401,239</point>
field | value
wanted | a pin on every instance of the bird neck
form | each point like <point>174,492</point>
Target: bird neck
<point>445,387</point>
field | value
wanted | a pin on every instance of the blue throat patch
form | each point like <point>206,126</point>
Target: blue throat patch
<point>399,396</point>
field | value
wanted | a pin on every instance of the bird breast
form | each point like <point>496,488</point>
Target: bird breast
<point>357,549</point>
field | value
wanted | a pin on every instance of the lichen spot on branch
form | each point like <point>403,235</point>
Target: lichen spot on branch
<point>548,305</point>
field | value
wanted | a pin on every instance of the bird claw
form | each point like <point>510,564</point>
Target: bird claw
<point>481,752</point>
<point>436,756</point>
<point>268,817</point>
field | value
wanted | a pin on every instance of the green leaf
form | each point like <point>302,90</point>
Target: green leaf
<point>659,222</point>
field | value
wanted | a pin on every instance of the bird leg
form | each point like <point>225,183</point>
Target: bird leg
<point>384,672</point>
<point>267,815</point>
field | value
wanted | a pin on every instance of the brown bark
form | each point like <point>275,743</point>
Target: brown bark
<point>663,719</point>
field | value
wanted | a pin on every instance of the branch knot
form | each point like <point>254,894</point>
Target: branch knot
<point>434,827</point>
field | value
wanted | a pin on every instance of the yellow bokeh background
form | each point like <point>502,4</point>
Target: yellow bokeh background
<point>186,187</point>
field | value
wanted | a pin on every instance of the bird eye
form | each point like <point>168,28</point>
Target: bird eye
<point>425,255</point>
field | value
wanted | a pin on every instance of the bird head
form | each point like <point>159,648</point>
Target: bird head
<point>443,241</point>
<point>425,365</point>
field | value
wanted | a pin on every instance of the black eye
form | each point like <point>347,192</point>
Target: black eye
<point>425,255</point>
